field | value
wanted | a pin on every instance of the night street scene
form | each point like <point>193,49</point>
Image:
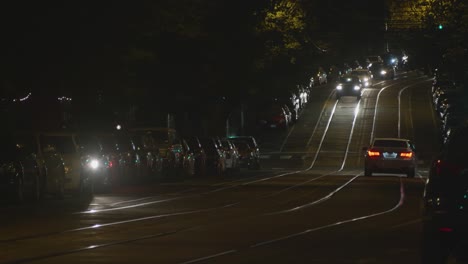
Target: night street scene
<point>262,131</point>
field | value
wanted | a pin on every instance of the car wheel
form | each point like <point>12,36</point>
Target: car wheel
<point>367,172</point>
<point>411,173</point>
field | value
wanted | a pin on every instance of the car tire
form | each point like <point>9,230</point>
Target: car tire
<point>367,172</point>
<point>411,173</point>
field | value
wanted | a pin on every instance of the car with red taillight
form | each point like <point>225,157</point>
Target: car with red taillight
<point>390,155</point>
<point>445,200</point>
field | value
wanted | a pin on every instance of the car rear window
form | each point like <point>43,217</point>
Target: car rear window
<point>390,143</point>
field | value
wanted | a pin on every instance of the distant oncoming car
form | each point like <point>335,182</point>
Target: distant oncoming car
<point>349,85</point>
<point>390,155</point>
<point>365,76</point>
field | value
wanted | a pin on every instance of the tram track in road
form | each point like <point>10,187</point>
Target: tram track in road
<point>307,231</point>
<point>98,226</point>
<point>242,183</point>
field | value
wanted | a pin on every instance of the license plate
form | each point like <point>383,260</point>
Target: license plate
<point>390,155</point>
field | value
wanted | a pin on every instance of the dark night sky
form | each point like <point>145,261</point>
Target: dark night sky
<point>55,46</point>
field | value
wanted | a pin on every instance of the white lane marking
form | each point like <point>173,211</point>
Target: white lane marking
<point>356,112</point>
<point>399,104</point>
<point>399,204</point>
<point>320,118</point>
<point>285,157</point>
<point>376,107</point>
<point>265,156</point>
<point>210,256</point>
<point>326,197</point>
<point>323,136</point>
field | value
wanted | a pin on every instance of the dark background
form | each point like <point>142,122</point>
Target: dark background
<point>138,62</point>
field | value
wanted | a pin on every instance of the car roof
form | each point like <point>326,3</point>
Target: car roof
<point>395,139</point>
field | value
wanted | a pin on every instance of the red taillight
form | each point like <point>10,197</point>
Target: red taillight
<point>407,155</point>
<point>446,229</point>
<point>373,153</point>
<point>447,168</point>
<point>111,164</point>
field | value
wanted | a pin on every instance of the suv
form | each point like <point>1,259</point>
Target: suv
<point>390,155</point>
<point>349,85</point>
<point>446,200</point>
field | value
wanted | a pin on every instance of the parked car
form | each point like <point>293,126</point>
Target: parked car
<point>390,155</point>
<point>194,146</point>
<point>232,154</point>
<point>21,168</point>
<point>165,139</point>
<point>285,98</point>
<point>150,162</point>
<point>273,115</point>
<point>349,85</point>
<point>249,151</point>
<point>445,232</point>
<point>80,166</point>
<point>215,157</point>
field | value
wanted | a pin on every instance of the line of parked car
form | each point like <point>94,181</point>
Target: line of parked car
<point>449,102</point>
<point>445,232</point>
<point>35,164</point>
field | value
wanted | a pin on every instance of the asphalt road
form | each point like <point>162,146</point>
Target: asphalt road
<point>309,203</point>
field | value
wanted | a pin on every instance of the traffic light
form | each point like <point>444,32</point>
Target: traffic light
<point>440,27</point>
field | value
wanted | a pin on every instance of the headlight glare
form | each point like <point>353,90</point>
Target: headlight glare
<point>357,87</point>
<point>383,72</point>
<point>94,164</point>
<point>339,87</point>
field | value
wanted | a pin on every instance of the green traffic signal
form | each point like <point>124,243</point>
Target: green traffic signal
<point>441,27</point>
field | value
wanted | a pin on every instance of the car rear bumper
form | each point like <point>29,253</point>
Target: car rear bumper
<point>387,165</point>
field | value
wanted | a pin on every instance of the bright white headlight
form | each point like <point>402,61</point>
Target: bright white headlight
<point>366,79</point>
<point>383,72</point>
<point>339,87</point>
<point>357,87</point>
<point>94,164</point>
